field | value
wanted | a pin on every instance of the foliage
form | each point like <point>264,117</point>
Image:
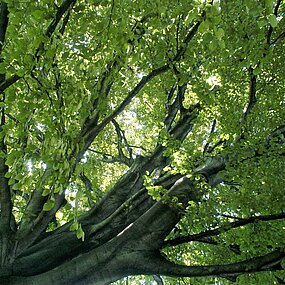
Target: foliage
<point>103,102</point>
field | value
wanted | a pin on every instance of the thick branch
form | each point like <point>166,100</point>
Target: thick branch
<point>172,108</point>
<point>91,267</point>
<point>33,207</point>
<point>27,236</point>
<point>212,165</point>
<point>185,123</point>
<point>65,21</point>
<point>111,215</point>
<point>158,280</point>
<point>5,195</point>
<point>222,229</point>
<point>279,37</point>
<point>159,220</point>
<point>252,95</point>
<point>207,147</point>
<point>8,82</point>
<point>49,32</point>
<point>90,190</point>
<point>65,244</point>
<point>59,14</point>
<point>3,23</point>
<point>109,158</point>
<point>122,142</point>
<point>97,230</point>
<point>188,38</point>
<point>5,198</point>
<point>7,220</point>
<point>270,30</point>
<point>33,214</point>
<point>270,261</point>
<point>87,268</point>
<point>93,132</point>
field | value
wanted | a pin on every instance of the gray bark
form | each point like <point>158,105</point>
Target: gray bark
<point>126,230</point>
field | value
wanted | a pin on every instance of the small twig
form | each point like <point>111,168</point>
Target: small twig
<point>213,127</point>
<point>270,30</point>
<point>212,148</point>
<point>28,85</point>
<point>275,12</point>
<point>138,147</point>
<point>89,188</point>
<point>279,280</point>
<point>252,95</point>
<point>110,17</point>
<point>122,140</point>
<point>282,35</point>
<point>231,217</point>
<point>172,108</point>
<point>41,86</point>
<point>64,22</point>
<point>158,280</point>
<point>177,34</point>
<point>108,158</point>
<point>13,118</point>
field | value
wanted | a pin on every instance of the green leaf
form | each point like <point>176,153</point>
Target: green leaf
<point>2,68</point>
<point>204,27</point>
<point>273,21</point>
<point>262,22</point>
<point>182,79</point>
<point>11,181</point>
<point>16,186</point>
<point>268,6</point>
<point>20,72</point>
<point>46,192</point>
<point>220,33</point>
<point>38,14</point>
<point>80,233</point>
<point>74,227</point>
<point>8,174</point>
<point>48,205</point>
<point>256,71</point>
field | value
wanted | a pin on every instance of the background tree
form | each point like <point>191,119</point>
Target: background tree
<point>142,138</point>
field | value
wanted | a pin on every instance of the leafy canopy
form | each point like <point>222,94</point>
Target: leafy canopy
<point>88,88</point>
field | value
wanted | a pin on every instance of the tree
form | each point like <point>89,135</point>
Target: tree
<point>142,138</point>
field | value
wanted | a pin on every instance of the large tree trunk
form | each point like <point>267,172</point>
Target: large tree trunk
<point>115,255</point>
<point>127,244</point>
